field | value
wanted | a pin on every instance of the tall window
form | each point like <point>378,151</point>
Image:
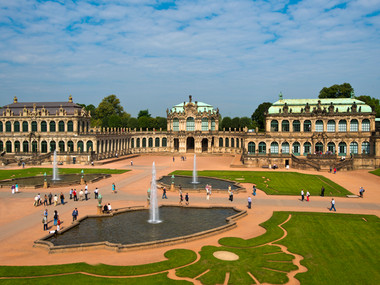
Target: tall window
<point>306,148</point>
<point>331,147</point>
<point>251,147</point>
<point>274,147</point>
<point>319,147</point>
<point>365,125</point>
<point>16,127</point>
<point>213,124</point>
<point>296,126</point>
<point>52,146</point>
<point>237,143</point>
<point>8,146</point>
<point>175,125</point>
<point>307,126</point>
<point>220,142</point>
<point>285,126</point>
<point>43,126</point>
<point>1,126</point>
<point>227,142</point>
<point>204,124</point>
<point>157,142</point>
<point>61,126</point>
<point>354,125</point>
<point>285,147</point>
<point>190,124</point>
<point>331,126</point>
<point>138,142</point>
<point>8,127</point>
<point>342,127</point>
<point>44,147</point>
<point>25,127</point>
<point>144,142</point>
<point>150,142</point>
<point>319,126</point>
<point>25,146</point>
<point>342,148</point>
<point>354,148</point>
<point>274,126</point>
<point>80,146</point>
<point>232,142</point>
<point>34,126</point>
<point>366,147</point>
<point>70,126</point>
<point>262,147</point>
<point>1,146</point>
<point>52,126</point>
<point>89,146</point>
<point>61,146</point>
<point>70,146</point>
<point>132,143</point>
<point>164,142</point>
<point>17,146</point>
<point>34,146</point>
<point>296,148</point>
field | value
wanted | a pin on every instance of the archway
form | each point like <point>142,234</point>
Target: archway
<point>176,144</point>
<point>204,145</point>
<point>190,144</point>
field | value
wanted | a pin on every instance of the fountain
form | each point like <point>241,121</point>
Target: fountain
<point>153,210</point>
<point>195,176</point>
<point>55,168</point>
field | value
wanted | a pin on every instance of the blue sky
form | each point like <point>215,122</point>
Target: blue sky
<point>153,54</point>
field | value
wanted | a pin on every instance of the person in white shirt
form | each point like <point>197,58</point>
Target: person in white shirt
<point>109,207</point>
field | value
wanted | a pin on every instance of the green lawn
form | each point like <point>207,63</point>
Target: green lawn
<point>278,182</point>
<point>376,172</point>
<point>29,172</point>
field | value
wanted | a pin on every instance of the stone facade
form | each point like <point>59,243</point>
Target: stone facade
<point>299,133</point>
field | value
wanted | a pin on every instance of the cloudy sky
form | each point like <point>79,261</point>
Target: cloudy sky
<point>153,54</point>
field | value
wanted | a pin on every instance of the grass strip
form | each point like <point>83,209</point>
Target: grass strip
<point>376,172</point>
<point>278,182</point>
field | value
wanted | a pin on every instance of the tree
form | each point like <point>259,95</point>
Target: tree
<point>336,91</point>
<point>235,123</point>
<point>143,113</point>
<point>373,102</point>
<point>226,123</point>
<point>109,106</point>
<point>133,123</point>
<point>245,122</point>
<point>161,123</point>
<point>258,116</point>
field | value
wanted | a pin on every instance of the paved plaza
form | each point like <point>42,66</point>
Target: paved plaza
<point>20,221</point>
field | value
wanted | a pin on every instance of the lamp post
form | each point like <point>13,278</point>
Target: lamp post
<point>82,177</point>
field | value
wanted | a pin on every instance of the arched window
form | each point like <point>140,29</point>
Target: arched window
<point>89,146</point>
<point>307,126</point>
<point>213,124</point>
<point>8,127</point>
<point>34,126</point>
<point>319,126</point>
<point>164,142</point>
<point>354,148</point>
<point>34,146</point>
<point>227,142</point>
<point>25,127</point>
<point>25,146</point>
<point>61,146</point>
<point>138,142</point>
<point>319,147</point>
<point>52,126</point>
<point>366,125</point>
<point>220,142</point>
<point>365,147</point>
<point>61,126</point>
<point>296,148</point>
<point>1,127</point>
<point>144,142</point>
<point>274,147</point>
<point>232,142</point>
<point>262,147</point>
<point>70,146</point>
<point>150,142</point>
<point>175,125</point>
<point>285,147</point>
<point>342,126</point>
<point>354,125</point>
<point>190,124</point>
<point>237,143</point>
<point>17,146</point>
<point>80,146</point>
<point>296,126</point>
<point>52,146</point>
<point>331,126</point>
<point>157,142</point>
<point>306,148</point>
<point>132,143</point>
<point>16,127</point>
<point>342,148</point>
<point>204,124</point>
<point>251,147</point>
<point>43,126</point>
<point>285,126</point>
<point>43,147</point>
<point>274,126</point>
<point>8,146</point>
<point>1,146</point>
<point>331,147</point>
<point>70,126</point>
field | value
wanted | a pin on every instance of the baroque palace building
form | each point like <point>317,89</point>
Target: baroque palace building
<point>301,133</point>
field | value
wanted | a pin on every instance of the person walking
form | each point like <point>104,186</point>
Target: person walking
<point>113,188</point>
<point>75,214</point>
<point>71,193</point>
<point>50,196</point>
<point>332,204</point>
<point>187,199</point>
<point>62,197</point>
<point>302,195</point>
<point>254,190</point>
<point>16,187</point>
<point>96,193</point>
<point>55,200</point>
<point>13,189</point>
<point>180,197</point>
<point>231,198</point>
<point>307,196</point>
<point>45,222</point>
<point>45,200</point>
<point>55,217</point>
<point>322,191</point>
<point>164,193</point>
<point>75,195</point>
<point>81,195</point>
<point>58,225</point>
<point>361,192</point>
<point>249,202</point>
<point>86,194</point>
<point>334,170</point>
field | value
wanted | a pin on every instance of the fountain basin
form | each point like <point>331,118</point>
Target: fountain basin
<point>129,229</point>
<point>218,185</point>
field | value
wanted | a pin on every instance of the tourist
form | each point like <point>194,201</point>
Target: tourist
<point>81,195</point>
<point>55,200</point>
<point>45,200</point>
<point>16,187</point>
<point>109,207</point>
<point>13,189</point>
<point>131,162</point>
<point>207,192</point>
<point>62,197</point>
<point>55,217</point>
<point>58,225</point>
<point>302,195</point>
<point>75,214</point>
<point>96,192</point>
<point>71,193</point>
<point>164,193</point>
<point>45,222</point>
<point>86,194</point>
<point>322,191</point>
<point>173,159</point>
<point>39,202</point>
<point>85,188</point>
<point>361,192</point>
<point>180,198</point>
<point>334,170</point>
<point>249,202</point>
<point>105,209</point>
<point>50,196</point>
<point>113,188</point>
<point>332,204</point>
<point>307,196</point>
<point>254,190</point>
<point>46,213</point>
<point>75,195</point>
<point>231,195</point>
<point>187,198</point>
